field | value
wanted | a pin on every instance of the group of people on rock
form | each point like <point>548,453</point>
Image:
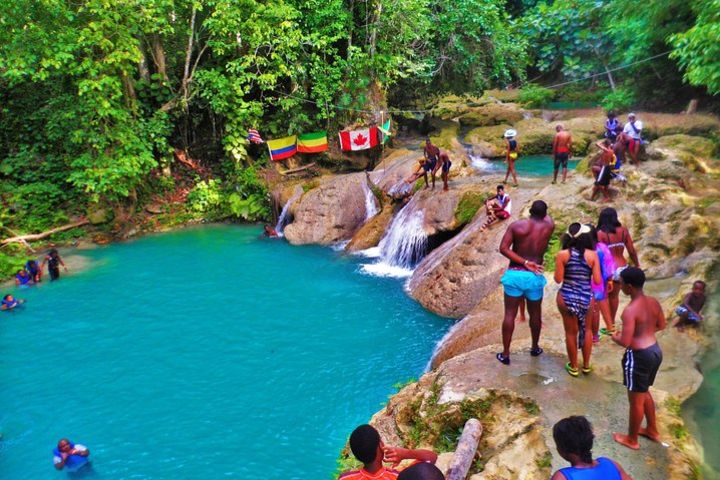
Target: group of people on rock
<point>592,270</point>
<point>31,274</point>
<point>573,440</point>
<point>433,159</point>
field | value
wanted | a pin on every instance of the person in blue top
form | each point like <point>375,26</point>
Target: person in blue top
<point>22,278</point>
<point>9,302</point>
<point>574,441</point>
<point>70,455</point>
<point>33,268</point>
<point>611,126</point>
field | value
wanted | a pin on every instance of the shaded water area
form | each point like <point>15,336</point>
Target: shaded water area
<point>204,353</point>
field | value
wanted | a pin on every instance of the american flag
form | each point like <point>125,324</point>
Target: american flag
<point>254,136</point>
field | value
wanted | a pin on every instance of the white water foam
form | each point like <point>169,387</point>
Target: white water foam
<point>340,246</point>
<point>371,207</point>
<point>383,269</point>
<point>479,163</point>
<point>282,219</point>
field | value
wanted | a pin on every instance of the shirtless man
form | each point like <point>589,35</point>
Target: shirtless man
<point>641,319</point>
<point>524,244</point>
<point>562,151</point>
<point>432,153</point>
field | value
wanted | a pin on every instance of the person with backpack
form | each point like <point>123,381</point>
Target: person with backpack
<point>633,132</point>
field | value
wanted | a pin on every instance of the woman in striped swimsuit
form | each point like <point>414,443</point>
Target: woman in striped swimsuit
<point>617,238</point>
<point>576,267</point>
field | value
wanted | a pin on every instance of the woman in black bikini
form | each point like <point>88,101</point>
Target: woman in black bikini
<point>617,238</point>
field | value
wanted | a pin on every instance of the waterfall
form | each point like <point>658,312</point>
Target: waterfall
<point>403,246</point>
<point>371,208</point>
<point>282,219</point>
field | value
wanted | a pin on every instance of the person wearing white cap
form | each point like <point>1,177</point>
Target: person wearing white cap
<point>633,132</point>
<point>511,155</point>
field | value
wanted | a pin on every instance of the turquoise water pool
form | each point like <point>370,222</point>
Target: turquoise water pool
<point>205,353</point>
<point>526,165</point>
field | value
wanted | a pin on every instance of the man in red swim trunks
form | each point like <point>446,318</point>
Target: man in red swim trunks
<point>562,151</point>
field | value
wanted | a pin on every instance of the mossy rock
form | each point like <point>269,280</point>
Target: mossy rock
<point>535,136</point>
<point>509,95</point>
<point>698,146</point>
<point>447,136</point>
<point>97,214</point>
<point>489,140</point>
<point>594,126</point>
<point>663,124</point>
<point>468,206</point>
<point>492,114</point>
<point>453,106</point>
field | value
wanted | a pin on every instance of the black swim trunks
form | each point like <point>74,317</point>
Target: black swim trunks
<point>561,159</point>
<point>640,367</point>
<point>446,166</point>
<point>430,164</point>
<point>603,179</point>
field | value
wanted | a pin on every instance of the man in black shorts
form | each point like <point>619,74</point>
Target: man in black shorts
<point>562,150</point>
<point>641,319</point>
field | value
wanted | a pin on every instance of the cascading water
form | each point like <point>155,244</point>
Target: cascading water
<point>371,208</point>
<point>282,219</point>
<point>402,247</point>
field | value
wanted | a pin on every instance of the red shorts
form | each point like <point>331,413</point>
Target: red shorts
<point>631,144</point>
<point>502,215</point>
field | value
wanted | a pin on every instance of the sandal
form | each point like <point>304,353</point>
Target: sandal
<point>605,331</point>
<point>503,359</point>
<point>587,370</point>
<point>573,372</point>
<point>536,352</point>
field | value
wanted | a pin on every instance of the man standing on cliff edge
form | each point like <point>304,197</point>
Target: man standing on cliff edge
<point>524,244</point>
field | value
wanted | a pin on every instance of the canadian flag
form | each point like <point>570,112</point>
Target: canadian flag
<point>359,139</point>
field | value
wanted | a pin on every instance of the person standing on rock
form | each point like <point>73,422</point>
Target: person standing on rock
<point>511,155</point>
<point>617,238</point>
<point>633,133</point>
<point>642,318</point>
<point>562,151</point>
<point>445,164</point>
<point>524,244</point>
<point>431,153</point>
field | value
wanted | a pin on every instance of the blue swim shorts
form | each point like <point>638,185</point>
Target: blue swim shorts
<point>522,283</point>
<point>683,310</point>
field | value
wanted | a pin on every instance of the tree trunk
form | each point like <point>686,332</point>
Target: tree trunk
<point>188,57</point>
<point>143,69</point>
<point>39,236</point>
<point>611,80</point>
<point>465,451</point>
<point>692,107</point>
<point>158,53</point>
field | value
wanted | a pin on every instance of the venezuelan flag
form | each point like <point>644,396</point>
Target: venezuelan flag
<point>312,142</point>
<point>282,148</point>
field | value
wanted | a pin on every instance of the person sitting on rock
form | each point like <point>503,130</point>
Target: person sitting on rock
<point>689,312</point>
<point>421,471</point>
<point>612,124</point>
<point>574,442</point>
<point>633,134</point>
<point>9,302</point>
<point>498,207</point>
<point>367,447</point>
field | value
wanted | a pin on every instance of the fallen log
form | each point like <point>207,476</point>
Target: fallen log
<point>465,451</point>
<point>299,169</point>
<point>39,236</point>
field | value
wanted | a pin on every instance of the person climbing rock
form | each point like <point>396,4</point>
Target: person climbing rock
<point>562,151</point>
<point>367,447</point>
<point>574,442</point>
<point>642,318</point>
<point>524,244</point>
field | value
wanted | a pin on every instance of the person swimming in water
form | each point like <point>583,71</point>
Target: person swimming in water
<point>642,318</point>
<point>511,155</point>
<point>524,244</point>
<point>53,261</point>
<point>9,302</point>
<point>562,151</point>
<point>33,268</point>
<point>65,451</point>
<point>269,231</point>
<point>574,442</point>
<point>617,238</point>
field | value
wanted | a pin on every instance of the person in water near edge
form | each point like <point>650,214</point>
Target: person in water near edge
<point>445,165</point>
<point>9,302</point>
<point>53,261</point>
<point>574,442</point>
<point>524,244</point>
<point>689,312</point>
<point>22,278</point>
<point>511,155</point>
<point>367,447</point>
<point>421,471</point>
<point>642,318</point>
<point>617,238</point>
<point>577,266</point>
<point>269,231</point>
<point>562,151</point>
<point>498,207</point>
<point>65,449</point>
<point>33,268</point>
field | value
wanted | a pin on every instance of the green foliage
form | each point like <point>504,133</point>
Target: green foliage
<point>468,206</point>
<point>12,259</point>
<point>620,100</point>
<point>245,198</point>
<point>545,462</point>
<point>697,49</point>
<point>535,96</point>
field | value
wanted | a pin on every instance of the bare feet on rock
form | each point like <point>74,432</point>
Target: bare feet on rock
<point>654,436</point>
<point>625,441</point>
